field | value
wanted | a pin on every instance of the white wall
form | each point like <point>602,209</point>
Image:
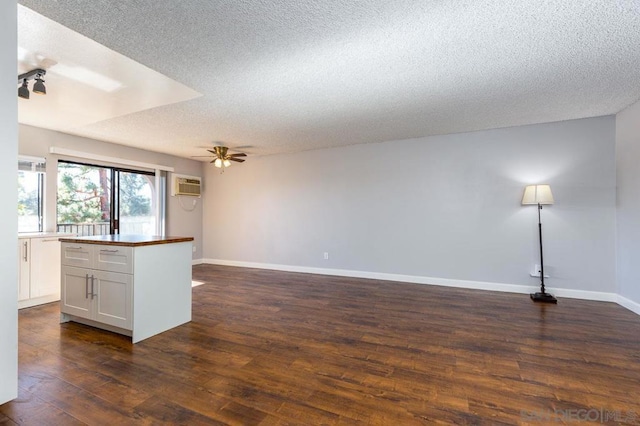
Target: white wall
<point>628,202</point>
<point>8,211</point>
<point>443,207</point>
<point>181,221</point>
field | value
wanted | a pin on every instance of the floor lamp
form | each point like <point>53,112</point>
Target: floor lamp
<point>540,195</point>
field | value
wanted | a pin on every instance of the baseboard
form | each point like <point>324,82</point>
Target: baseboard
<point>446,282</point>
<point>68,317</point>
<point>28,303</point>
<point>197,262</point>
<point>415,279</point>
<point>476,285</point>
<point>583,294</point>
<point>629,304</point>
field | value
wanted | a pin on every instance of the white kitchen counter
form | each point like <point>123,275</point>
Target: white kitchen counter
<point>43,234</point>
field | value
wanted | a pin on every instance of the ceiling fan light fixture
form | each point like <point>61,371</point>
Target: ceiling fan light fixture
<point>38,86</point>
<point>221,158</point>
<point>23,91</point>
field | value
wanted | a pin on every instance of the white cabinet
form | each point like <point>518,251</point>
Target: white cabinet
<point>90,288</point>
<point>139,290</point>
<point>45,267</point>
<point>38,271</point>
<point>97,295</point>
<point>77,298</point>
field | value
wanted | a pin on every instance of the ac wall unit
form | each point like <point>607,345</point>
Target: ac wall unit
<point>187,185</point>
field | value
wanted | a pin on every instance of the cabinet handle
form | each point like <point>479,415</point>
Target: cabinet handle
<point>50,240</point>
<point>74,248</point>
<point>109,251</point>
<point>92,293</point>
<point>26,247</point>
<point>86,286</point>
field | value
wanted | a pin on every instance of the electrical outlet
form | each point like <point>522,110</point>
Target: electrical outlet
<point>536,271</point>
<point>326,255</point>
<point>194,248</point>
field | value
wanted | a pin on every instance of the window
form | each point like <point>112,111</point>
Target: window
<point>135,205</point>
<point>97,200</point>
<point>30,194</point>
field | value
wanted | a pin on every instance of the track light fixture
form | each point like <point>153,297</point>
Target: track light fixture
<point>38,86</point>
<point>23,91</point>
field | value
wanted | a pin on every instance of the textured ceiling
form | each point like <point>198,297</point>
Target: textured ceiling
<point>289,75</point>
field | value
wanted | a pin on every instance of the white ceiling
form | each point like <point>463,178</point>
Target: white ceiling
<point>288,75</point>
<point>88,82</point>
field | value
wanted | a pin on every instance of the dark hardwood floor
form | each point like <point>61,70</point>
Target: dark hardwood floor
<point>269,348</point>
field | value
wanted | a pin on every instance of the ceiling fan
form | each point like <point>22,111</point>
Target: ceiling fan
<point>222,158</point>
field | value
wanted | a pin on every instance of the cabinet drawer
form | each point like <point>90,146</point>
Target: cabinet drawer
<point>80,255</point>
<point>114,259</point>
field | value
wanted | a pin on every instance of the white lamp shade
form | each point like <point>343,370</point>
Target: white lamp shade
<point>218,163</point>
<point>226,163</point>
<point>537,194</point>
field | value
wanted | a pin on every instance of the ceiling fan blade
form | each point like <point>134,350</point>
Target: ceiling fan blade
<point>239,154</point>
<point>237,160</point>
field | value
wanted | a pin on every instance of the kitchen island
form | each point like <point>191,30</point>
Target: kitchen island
<point>135,285</point>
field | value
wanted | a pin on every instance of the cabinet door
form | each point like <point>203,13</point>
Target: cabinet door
<point>24,256</point>
<point>76,298</point>
<point>113,295</point>
<point>45,266</point>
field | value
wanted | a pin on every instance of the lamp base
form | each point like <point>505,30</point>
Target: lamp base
<point>543,298</point>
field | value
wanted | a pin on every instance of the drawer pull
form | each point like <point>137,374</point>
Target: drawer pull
<point>50,240</point>
<point>108,251</point>
<point>73,248</point>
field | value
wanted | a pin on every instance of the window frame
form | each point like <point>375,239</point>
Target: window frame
<point>37,165</point>
<point>114,171</point>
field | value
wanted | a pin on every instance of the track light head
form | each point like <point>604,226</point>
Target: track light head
<point>38,86</point>
<point>23,91</point>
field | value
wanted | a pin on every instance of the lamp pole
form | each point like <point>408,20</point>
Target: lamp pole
<point>541,258</point>
<point>542,296</point>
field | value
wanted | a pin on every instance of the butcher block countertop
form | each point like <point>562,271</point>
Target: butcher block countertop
<point>129,240</point>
